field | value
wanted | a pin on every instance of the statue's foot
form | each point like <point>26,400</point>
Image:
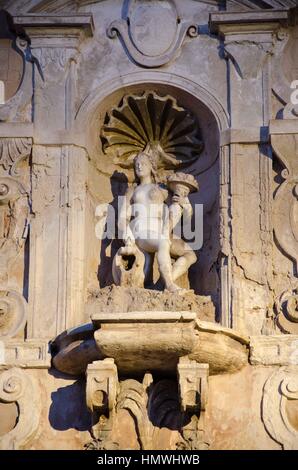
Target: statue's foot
<point>174,288</point>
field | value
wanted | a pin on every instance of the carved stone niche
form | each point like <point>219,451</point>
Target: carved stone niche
<point>157,114</point>
<point>16,80</point>
<point>152,32</point>
<point>151,118</point>
<point>280,407</point>
<point>16,386</point>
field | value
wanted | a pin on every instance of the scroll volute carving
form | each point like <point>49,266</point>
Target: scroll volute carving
<point>13,313</point>
<point>101,393</point>
<point>16,386</point>
<point>285,207</point>
<point>287,311</point>
<point>280,407</point>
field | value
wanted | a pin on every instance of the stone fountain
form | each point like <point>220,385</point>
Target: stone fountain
<point>139,330</point>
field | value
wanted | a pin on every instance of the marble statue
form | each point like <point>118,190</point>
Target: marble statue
<point>148,216</point>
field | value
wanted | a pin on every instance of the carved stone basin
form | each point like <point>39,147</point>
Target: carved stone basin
<point>150,341</point>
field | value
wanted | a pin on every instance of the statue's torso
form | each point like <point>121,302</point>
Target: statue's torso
<point>148,210</point>
<point>151,197</point>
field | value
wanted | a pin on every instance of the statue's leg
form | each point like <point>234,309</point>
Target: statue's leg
<point>165,265</point>
<point>148,268</point>
<point>185,258</point>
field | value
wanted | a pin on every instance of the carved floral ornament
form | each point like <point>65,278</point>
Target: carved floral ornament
<point>152,121</point>
<point>12,151</point>
<point>14,212</point>
<point>152,32</point>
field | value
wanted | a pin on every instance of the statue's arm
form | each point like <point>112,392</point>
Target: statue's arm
<point>179,206</point>
<point>185,205</point>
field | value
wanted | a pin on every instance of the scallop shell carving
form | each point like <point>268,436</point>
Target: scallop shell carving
<point>154,120</point>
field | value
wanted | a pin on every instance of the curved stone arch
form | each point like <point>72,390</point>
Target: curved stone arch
<point>89,106</point>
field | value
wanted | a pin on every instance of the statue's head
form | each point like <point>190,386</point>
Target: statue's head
<point>145,164</point>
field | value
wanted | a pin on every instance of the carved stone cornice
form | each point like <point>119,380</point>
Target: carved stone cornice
<point>274,350</point>
<point>56,37</point>
<point>29,354</point>
<point>221,23</point>
<point>248,34</point>
<point>249,135</point>
<point>283,126</point>
<point>79,20</point>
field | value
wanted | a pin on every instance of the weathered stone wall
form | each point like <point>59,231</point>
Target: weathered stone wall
<point>232,68</point>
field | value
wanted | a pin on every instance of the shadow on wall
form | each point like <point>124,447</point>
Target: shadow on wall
<point>68,409</point>
<point>119,185</point>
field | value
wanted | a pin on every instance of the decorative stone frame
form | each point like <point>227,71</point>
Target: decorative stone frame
<point>10,109</point>
<point>281,386</point>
